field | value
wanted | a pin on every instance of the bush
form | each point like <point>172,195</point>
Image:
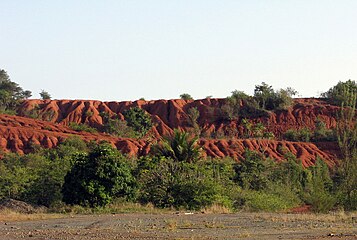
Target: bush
<point>167,183</point>
<point>317,192</point>
<point>269,99</point>
<point>118,128</point>
<point>302,135</point>
<point>265,201</point>
<point>139,120</point>
<point>98,177</point>
<point>186,96</point>
<point>179,147</point>
<point>82,127</point>
<point>251,171</point>
<point>242,105</point>
<point>342,93</point>
<point>321,133</point>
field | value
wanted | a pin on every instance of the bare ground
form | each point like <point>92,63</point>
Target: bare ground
<point>184,226</point>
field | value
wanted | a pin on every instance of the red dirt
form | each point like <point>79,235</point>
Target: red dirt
<point>18,133</point>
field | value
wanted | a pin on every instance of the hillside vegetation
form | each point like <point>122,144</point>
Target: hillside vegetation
<point>265,152</point>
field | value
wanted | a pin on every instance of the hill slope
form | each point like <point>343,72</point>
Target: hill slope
<point>18,133</point>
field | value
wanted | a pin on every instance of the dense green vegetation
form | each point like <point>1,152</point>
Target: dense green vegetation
<point>175,174</point>
<point>94,175</point>
<point>11,94</point>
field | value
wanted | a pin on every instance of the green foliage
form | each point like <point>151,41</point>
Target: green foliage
<point>167,183</point>
<point>118,128</point>
<point>267,201</point>
<point>11,94</point>
<point>139,120</point>
<point>82,127</point>
<point>36,178</point>
<point>318,191</point>
<point>301,135</point>
<point>186,96</point>
<point>342,93</point>
<point>180,147</point>
<point>33,113</point>
<point>265,99</point>
<point>251,172</point>
<point>98,177</point>
<point>240,104</point>
<point>269,99</point>
<point>321,133</point>
<point>255,130</point>
<point>45,95</point>
<point>192,118</point>
<point>347,139</point>
<point>15,176</point>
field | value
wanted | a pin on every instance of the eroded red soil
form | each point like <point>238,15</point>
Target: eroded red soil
<point>18,133</point>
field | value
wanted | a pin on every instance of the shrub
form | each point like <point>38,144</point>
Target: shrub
<point>119,128</point>
<point>167,183</point>
<point>321,133</point>
<point>180,147</point>
<point>186,96</point>
<point>342,93</point>
<point>138,119</point>
<point>269,99</point>
<point>318,191</point>
<point>45,95</point>
<point>98,177</point>
<point>265,201</point>
<point>82,127</point>
<point>302,135</point>
<point>242,105</point>
<point>251,171</point>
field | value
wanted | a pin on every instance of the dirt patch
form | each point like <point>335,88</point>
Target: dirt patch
<point>184,226</point>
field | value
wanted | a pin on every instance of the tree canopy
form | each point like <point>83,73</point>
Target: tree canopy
<point>10,92</point>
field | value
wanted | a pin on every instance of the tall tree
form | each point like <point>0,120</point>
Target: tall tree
<point>11,93</point>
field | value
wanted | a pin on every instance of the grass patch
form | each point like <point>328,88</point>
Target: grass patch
<point>216,209</point>
<point>113,208</point>
<point>7,215</point>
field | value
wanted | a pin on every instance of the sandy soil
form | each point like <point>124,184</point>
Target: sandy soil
<point>183,226</point>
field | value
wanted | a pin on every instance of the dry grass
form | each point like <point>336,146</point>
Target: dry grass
<point>171,225</point>
<point>332,217</point>
<point>216,209</point>
<point>128,207</point>
<point>113,208</point>
<point>7,215</point>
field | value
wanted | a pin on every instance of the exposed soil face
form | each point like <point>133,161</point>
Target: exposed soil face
<point>175,226</point>
<point>170,114</point>
<point>17,134</point>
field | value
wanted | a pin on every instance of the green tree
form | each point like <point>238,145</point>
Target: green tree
<point>252,171</point>
<point>98,177</point>
<point>45,95</point>
<point>186,96</point>
<point>342,93</point>
<point>139,120</point>
<point>269,99</point>
<point>180,147</point>
<point>263,93</point>
<point>11,93</point>
<point>347,139</point>
<point>192,117</point>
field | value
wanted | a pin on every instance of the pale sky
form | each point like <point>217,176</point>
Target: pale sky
<point>116,50</point>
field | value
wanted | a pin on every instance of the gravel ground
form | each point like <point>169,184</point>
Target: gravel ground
<point>182,226</point>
